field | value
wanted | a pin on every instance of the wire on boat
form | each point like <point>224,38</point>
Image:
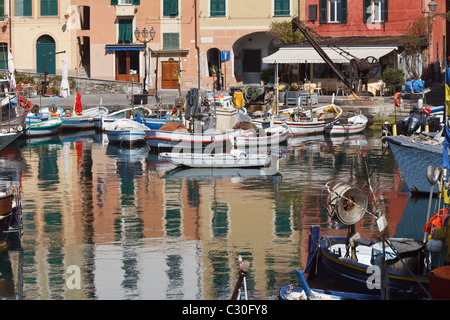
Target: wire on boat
<point>388,242</point>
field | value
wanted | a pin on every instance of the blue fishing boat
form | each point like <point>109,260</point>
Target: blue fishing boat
<point>413,155</point>
<point>304,292</point>
<point>330,257</point>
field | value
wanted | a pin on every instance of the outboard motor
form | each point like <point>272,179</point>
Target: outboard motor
<point>414,121</point>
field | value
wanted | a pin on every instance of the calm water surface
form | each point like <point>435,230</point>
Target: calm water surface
<point>136,229</point>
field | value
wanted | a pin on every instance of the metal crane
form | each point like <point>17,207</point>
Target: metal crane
<point>360,69</point>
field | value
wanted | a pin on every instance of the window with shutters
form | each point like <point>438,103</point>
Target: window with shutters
<point>125,31</point>
<point>217,8</point>
<point>2,9</point>
<point>333,11</point>
<point>170,8</point>
<point>171,41</point>
<point>282,8</point>
<point>375,11</point>
<point>49,7</point>
<point>312,12</point>
<point>22,8</point>
<point>3,54</point>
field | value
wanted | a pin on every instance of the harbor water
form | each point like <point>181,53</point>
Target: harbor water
<point>131,227</point>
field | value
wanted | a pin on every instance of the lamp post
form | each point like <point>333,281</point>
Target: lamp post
<point>432,7</point>
<point>144,40</point>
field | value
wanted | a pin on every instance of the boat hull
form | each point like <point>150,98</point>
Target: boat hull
<point>345,129</point>
<point>413,157</point>
<point>170,139</point>
<point>356,124</point>
<point>43,128</point>
<point>128,136</point>
<point>7,138</point>
<point>77,123</point>
<point>298,293</point>
<point>223,160</point>
<point>357,276</point>
<point>271,136</point>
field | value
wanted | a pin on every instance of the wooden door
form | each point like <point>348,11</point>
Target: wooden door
<point>127,66</point>
<point>170,71</point>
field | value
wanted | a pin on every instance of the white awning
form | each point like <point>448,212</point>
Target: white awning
<point>337,55</point>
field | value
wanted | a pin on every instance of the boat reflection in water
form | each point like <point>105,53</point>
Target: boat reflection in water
<point>138,229</point>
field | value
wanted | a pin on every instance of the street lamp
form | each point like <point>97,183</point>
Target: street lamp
<point>144,35</point>
<point>432,6</point>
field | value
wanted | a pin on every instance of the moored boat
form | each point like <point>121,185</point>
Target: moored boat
<point>11,227</point>
<point>13,115</point>
<point>234,159</point>
<point>329,257</point>
<point>413,155</point>
<point>43,128</point>
<point>273,135</point>
<point>304,292</point>
<point>355,124</point>
<point>304,122</point>
<point>125,131</point>
<point>175,134</point>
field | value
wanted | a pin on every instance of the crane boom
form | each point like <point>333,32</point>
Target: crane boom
<point>297,24</point>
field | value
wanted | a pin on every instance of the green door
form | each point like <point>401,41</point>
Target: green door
<point>45,45</point>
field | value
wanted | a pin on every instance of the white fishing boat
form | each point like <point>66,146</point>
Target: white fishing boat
<point>355,124</point>
<point>273,135</point>
<point>43,128</point>
<point>77,122</point>
<point>301,121</point>
<point>234,159</point>
<point>125,131</point>
<point>175,134</point>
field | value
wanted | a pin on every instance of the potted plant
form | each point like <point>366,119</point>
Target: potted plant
<point>393,77</point>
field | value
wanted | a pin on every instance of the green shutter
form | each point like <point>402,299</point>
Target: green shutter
<point>323,11</point>
<point>344,11</point>
<point>217,8</point>
<point>114,2</point>
<point>44,7</point>
<point>2,9</point>
<point>27,8</point>
<point>171,41</point>
<point>170,8</point>
<point>136,1</point>
<point>125,31</point>
<point>386,10</point>
<point>282,8</point>
<point>49,7</point>
<point>367,7</point>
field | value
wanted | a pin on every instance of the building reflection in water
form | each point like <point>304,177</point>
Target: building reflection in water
<point>138,233</point>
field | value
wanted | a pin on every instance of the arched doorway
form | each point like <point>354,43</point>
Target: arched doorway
<point>214,66</point>
<point>45,45</point>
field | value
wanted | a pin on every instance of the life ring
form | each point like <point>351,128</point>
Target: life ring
<point>398,99</point>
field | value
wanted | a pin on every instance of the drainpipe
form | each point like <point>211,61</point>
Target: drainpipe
<point>196,44</point>
<point>10,26</point>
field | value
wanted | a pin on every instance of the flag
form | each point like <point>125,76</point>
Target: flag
<point>445,162</point>
<point>447,88</point>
